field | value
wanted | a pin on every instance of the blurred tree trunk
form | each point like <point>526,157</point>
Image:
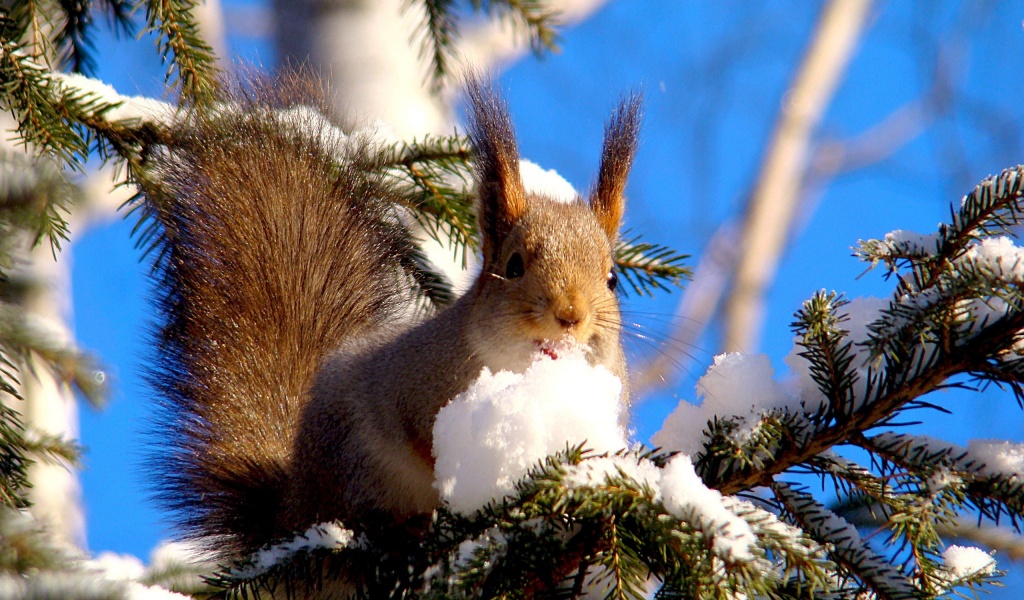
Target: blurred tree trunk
<point>367,50</point>
<point>768,219</point>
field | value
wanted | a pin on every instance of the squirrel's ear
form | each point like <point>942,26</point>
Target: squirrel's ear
<point>502,198</point>
<point>620,142</point>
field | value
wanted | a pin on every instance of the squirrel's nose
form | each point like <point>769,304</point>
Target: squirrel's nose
<point>568,315</point>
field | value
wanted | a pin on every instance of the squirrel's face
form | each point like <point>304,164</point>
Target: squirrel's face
<point>547,277</point>
<point>552,283</point>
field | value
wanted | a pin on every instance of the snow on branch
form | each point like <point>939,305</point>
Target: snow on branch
<point>848,549</point>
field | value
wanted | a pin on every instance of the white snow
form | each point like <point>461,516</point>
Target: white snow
<point>860,312</point>
<point>132,108</point>
<point>138,591</point>
<point>307,122</point>
<point>596,471</point>
<point>1000,456</point>
<point>744,386</point>
<point>489,436</point>
<point>120,567</point>
<point>741,385</point>
<point>981,457</point>
<point>686,497</point>
<point>548,183</point>
<point>180,565</point>
<point>468,548</point>
<point>78,584</point>
<point>330,535</point>
<point>1000,255</point>
<point>964,561</point>
<point>1005,260</point>
<point>174,554</point>
<point>127,570</point>
<point>913,243</point>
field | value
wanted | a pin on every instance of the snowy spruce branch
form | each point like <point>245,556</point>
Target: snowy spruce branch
<point>956,311</point>
<point>431,177</point>
<point>532,509</point>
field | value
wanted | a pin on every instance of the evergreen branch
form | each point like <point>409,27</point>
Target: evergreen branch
<point>21,339</point>
<point>994,206</point>
<point>962,318</point>
<point>182,576</point>
<point>1005,541</point>
<point>52,449</point>
<point>648,267</point>
<point>14,460</point>
<point>451,153</point>
<point>440,29</point>
<point>28,547</point>
<point>992,492</point>
<point>439,32</point>
<point>72,40</point>
<point>436,173</point>
<point>437,204</point>
<point>30,96</point>
<point>191,62</point>
<point>817,327</point>
<point>847,548</point>
<point>901,384</point>
<point>852,481</point>
<point>31,24</point>
<point>429,284</point>
<point>34,197</point>
<point>529,18</point>
<point>777,433</point>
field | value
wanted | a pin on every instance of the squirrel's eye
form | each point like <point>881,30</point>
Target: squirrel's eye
<point>613,280</point>
<point>514,268</point>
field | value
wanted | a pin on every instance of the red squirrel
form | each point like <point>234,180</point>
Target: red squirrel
<point>294,390</point>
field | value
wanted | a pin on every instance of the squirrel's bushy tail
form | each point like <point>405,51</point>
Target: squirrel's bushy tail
<point>272,253</point>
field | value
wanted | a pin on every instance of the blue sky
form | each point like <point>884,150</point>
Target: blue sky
<point>713,74</point>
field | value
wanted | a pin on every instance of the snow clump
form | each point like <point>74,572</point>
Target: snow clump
<point>1001,457</point>
<point>547,182</point>
<point>964,561</point>
<point>330,536</point>
<point>490,436</point>
<point>685,496</point>
<point>740,385</point>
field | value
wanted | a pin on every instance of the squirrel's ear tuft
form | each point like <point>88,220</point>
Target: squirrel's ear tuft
<point>502,198</point>
<point>620,142</point>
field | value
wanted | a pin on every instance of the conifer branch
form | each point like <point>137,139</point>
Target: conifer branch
<point>439,31</point>
<point>993,493</point>
<point>847,548</point>
<point>190,60</point>
<point>649,267</point>
<point>529,17</point>
<point>915,346</point>
<point>436,173</point>
<point>14,458</point>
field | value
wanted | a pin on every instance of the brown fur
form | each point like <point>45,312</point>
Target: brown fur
<point>295,393</point>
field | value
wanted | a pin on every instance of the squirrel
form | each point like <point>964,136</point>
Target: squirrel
<point>294,388</point>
